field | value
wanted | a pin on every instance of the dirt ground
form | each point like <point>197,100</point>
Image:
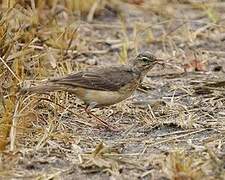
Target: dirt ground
<point>173,127</point>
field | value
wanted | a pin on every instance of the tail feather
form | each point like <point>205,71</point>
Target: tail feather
<point>40,89</point>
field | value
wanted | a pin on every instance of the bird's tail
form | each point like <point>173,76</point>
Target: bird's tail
<point>41,88</point>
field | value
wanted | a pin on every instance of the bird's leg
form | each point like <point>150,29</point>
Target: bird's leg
<point>101,121</point>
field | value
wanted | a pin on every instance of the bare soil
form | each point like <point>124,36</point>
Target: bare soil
<point>171,128</point>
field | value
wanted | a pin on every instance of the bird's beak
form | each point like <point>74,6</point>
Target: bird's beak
<point>160,61</point>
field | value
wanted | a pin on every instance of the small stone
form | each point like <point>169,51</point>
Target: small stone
<point>92,61</point>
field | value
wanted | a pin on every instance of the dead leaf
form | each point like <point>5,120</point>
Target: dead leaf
<point>194,65</point>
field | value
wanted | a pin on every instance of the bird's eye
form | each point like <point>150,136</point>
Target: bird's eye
<point>145,59</point>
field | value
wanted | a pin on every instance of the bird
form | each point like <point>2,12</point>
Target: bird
<point>103,85</point>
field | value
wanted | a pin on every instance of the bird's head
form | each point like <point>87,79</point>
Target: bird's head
<point>145,61</point>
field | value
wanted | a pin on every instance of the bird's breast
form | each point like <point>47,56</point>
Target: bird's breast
<point>103,98</point>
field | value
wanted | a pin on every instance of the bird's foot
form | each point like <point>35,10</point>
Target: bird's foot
<point>100,121</point>
<point>107,125</point>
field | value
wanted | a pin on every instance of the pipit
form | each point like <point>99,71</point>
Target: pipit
<point>101,86</point>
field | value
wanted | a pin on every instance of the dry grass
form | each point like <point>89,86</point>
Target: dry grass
<point>173,127</point>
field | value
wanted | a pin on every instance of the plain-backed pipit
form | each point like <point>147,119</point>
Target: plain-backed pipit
<point>101,86</point>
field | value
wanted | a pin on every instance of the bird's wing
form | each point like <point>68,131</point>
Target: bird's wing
<point>101,78</point>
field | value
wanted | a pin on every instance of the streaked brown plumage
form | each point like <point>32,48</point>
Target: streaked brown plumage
<point>101,86</point>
